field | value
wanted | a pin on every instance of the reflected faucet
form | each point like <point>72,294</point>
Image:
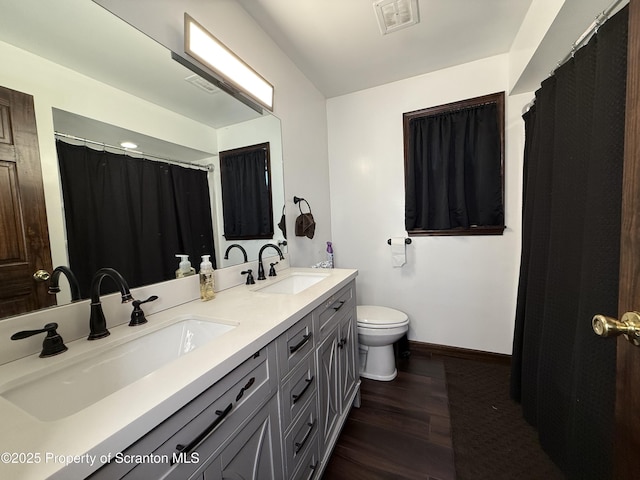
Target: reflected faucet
<point>244,252</point>
<point>71,278</point>
<point>97,322</point>
<point>260,266</point>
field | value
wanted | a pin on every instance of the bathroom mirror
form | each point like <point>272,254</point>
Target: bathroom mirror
<point>92,51</point>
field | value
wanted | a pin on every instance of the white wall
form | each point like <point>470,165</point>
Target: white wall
<point>457,291</point>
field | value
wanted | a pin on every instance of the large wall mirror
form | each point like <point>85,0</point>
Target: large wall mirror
<point>96,80</point>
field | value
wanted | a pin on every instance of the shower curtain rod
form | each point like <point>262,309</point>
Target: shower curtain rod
<point>600,19</point>
<point>148,156</point>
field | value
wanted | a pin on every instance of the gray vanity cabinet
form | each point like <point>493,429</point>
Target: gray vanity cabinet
<point>337,365</point>
<point>298,394</point>
<point>276,416</point>
<point>184,444</point>
<point>254,452</point>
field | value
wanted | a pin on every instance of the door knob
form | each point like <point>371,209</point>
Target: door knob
<point>629,326</point>
<point>41,276</point>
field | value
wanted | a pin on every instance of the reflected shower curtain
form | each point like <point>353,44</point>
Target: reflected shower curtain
<point>562,373</point>
<point>132,214</point>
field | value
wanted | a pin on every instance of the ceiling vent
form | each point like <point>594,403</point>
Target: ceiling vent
<point>202,84</point>
<point>396,14</point>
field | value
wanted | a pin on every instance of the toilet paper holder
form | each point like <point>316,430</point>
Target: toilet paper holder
<point>407,241</point>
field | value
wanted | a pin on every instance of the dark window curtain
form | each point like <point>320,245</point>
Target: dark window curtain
<point>454,171</point>
<point>562,373</point>
<point>246,193</point>
<point>131,214</point>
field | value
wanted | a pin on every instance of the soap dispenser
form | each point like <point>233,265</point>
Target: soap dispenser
<point>206,279</point>
<point>184,268</point>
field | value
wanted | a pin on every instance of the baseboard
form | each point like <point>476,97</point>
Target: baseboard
<point>433,350</point>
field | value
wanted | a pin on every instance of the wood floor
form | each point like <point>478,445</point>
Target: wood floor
<point>402,429</point>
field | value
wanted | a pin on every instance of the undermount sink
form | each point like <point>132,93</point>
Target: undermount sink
<point>294,283</point>
<point>70,388</point>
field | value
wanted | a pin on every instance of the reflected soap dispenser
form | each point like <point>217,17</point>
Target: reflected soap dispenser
<point>206,279</point>
<point>184,268</point>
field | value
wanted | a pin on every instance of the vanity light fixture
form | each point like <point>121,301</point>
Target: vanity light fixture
<point>207,49</point>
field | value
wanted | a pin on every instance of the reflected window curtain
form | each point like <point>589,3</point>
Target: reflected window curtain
<point>562,373</point>
<point>246,193</point>
<point>131,214</point>
<point>454,170</point>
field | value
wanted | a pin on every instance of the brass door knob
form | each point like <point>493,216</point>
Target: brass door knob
<point>629,326</point>
<point>41,276</point>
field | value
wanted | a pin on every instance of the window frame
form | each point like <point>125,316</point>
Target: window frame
<point>497,98</point>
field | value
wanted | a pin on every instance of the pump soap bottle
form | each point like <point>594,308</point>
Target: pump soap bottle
<point>184,268</point>
<point>206,279</point>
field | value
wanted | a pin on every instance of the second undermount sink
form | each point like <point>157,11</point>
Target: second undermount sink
<point>294,283</point>
<point>72,387</point>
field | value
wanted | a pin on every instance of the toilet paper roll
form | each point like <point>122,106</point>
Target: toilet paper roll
<point>398,252</point>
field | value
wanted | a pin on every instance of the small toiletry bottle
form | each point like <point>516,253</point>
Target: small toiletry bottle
<point>206,279</point>
<point>329,255</point>
<point>184,269</point>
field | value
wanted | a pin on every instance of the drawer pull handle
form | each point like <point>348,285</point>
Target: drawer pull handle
<point>246,387</point>
<point>339,306</point>
<point>185,449</point>
<point>301,344</point>
<point>297,397</point>
<point>313,469</point>
<point>300,445</point>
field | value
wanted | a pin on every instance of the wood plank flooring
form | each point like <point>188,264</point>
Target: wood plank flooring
<point>402,429</point>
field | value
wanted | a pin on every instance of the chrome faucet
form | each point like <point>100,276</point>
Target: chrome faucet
<point>244,252</point>
<point>71,278</point>
<point>97,322</point>
<point>260,266</point>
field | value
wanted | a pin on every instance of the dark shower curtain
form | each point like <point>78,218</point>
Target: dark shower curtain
<point>562,373</point>
<point>132,214</point>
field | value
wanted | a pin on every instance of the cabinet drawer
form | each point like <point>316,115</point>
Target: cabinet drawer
<point>296,392</point>
<point>309,463</point>
<point>294,344</point>
<point>203,423</point>
<point>301,437</point>
<point>330,312</point>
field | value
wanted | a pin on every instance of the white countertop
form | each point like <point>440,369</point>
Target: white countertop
<point>31,449</point>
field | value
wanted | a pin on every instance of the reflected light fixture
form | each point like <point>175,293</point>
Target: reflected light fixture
<point>128,145</point>
<point>207,49</point>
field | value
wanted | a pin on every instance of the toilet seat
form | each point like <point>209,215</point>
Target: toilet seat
<point>377,317</point>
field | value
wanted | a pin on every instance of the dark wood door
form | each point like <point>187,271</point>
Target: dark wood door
<point>628,362</point>
<point>24,236</point>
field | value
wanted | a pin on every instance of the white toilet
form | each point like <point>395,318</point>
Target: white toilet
<point>378,329</point>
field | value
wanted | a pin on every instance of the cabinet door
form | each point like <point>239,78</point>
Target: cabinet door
<point>347,358</point>
<point>328,373</point>
<point>254,452</point>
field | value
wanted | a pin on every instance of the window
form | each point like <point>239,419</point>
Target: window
<point>246,193</point>
<point>454,168</point>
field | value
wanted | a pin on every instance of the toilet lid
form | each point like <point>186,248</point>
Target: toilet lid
<point>376,316</point>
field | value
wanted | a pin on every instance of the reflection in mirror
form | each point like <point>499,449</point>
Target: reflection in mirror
<point>132,214</point>
<point>118,84</point>
<point>246,193</point>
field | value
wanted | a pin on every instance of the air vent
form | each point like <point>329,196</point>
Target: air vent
<point>396,14</point>
<point>202,84</point>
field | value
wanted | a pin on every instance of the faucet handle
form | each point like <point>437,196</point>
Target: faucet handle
<point>137,316</point>
<point>52,344</point>
<point>250,279</point>
<point>272,270</point>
